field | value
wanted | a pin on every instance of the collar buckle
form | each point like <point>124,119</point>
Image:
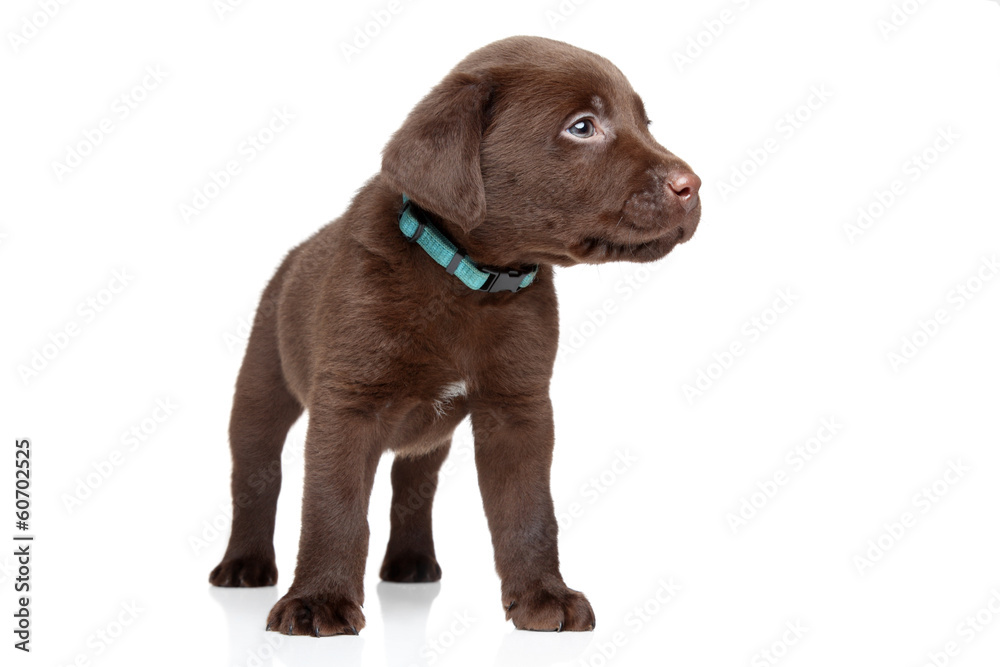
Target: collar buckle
<point>502,281</point>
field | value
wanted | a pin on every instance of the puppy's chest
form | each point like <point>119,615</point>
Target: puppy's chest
<point>448,356</point>
<point>454,331</point>
<point>447,395</point>
<point>458,348</point>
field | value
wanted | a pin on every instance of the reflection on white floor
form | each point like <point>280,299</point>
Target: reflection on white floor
<point>403,612</point>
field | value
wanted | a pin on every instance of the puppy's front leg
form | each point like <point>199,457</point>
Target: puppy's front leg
<point>514,440</point>
<point>342,452</point>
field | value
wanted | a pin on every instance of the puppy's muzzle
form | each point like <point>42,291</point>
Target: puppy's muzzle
<point>668,205</point>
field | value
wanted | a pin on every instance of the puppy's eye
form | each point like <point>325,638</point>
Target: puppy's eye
<point>582,129</point>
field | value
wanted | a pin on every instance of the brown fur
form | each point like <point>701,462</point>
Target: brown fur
<point>364,330</point>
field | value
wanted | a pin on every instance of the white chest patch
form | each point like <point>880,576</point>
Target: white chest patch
<point>448,394</point>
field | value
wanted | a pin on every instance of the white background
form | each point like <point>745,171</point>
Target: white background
<point>175,332</point>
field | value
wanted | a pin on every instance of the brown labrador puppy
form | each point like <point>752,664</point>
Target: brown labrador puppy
<point>530,153</point>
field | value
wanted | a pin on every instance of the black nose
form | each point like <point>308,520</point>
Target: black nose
<point>684,185</point>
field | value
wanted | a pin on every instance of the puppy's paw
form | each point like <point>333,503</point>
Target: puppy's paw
<point>247,572</point>
<point>410,567</point>
<point>550,608</point>
<point>316,615</point>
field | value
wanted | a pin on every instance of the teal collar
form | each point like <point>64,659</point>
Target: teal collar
<point>417,229</point>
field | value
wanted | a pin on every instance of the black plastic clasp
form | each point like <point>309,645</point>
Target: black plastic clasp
<point>502,281</point>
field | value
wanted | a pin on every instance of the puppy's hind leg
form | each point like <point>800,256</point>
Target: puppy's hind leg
<point>263,411</point>
<point>410,555</point>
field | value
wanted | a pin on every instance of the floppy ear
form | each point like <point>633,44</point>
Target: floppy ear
<point>434,157</point>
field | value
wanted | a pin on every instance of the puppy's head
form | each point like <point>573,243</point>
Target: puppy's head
<point>534,151</point>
